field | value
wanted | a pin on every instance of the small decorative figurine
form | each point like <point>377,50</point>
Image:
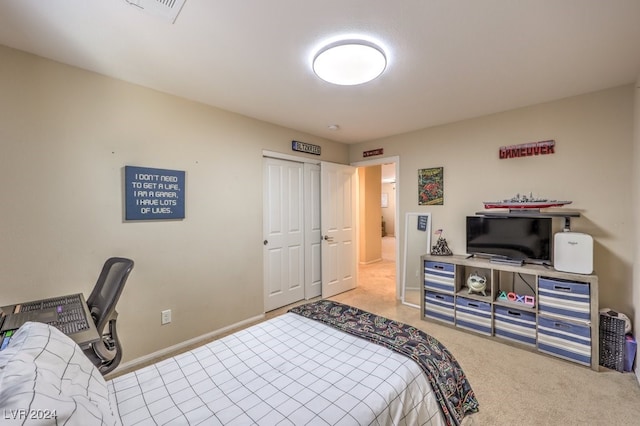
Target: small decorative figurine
<point>441,248</point>
<point>477,283</point>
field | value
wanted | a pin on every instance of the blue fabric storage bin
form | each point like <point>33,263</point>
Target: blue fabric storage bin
<point>439,276</point>
<point>566,299</point>
<point>570,341</point>
<point>439,306</point>
<point>474,315</point>
<point>630,348</point>
<point>516,325</point>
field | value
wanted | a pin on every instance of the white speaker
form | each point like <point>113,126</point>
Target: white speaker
<point>573,252</point>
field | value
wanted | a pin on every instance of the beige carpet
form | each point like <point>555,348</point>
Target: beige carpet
<point>513,386</point>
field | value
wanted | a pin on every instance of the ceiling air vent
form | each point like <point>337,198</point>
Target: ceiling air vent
<point>165,9</point>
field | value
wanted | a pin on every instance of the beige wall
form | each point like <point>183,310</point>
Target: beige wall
<point>389,212</point>
<point>592,167</point>
<point>66,135</point>
<point>370,211</point>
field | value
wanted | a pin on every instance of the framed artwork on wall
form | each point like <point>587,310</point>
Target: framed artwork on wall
<point>154,194</point>
<point>431,186</point>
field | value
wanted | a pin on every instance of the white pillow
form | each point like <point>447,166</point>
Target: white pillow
<point>45,378</point>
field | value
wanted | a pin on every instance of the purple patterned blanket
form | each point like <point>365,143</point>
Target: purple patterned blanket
<point>447,379</point>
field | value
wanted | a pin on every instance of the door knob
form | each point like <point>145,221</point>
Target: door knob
<point>265,242</point>
<point>328,239</point>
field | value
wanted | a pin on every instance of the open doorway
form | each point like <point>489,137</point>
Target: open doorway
<point>378,236</point>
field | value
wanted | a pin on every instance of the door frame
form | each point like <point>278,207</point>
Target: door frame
<point>364,163</point>
<point>281,156</point>
<point>375,162</point>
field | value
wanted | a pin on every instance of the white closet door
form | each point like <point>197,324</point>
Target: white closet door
<point>313,232</point>
<point>283,226</point>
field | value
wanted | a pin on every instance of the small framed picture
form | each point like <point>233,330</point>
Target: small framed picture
<point>431,186</point>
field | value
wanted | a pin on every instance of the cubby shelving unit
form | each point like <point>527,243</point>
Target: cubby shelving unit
<point>533,307</point>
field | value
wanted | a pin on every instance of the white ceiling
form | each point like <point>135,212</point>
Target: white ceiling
<point>448,59</point>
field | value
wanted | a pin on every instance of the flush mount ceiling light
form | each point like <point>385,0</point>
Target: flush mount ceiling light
<point>349,62</point>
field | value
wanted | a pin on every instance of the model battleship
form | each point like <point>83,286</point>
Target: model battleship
<point>524,202</point>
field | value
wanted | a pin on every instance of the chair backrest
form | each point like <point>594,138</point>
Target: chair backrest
<point>104,296</point>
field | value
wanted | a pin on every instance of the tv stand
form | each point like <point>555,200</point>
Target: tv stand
<point>522,305</point>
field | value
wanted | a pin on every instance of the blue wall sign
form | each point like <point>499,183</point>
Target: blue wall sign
<point>153,193</point>
<point>422,223</point>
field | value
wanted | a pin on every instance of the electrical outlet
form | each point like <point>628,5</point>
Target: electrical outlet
<point>166,316</point>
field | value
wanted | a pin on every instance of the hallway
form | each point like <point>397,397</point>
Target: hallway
<point>379,278</point>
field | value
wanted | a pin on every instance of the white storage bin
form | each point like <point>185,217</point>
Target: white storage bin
<point>439,276</point>
<point>439,306</point>
<point>516,325</point>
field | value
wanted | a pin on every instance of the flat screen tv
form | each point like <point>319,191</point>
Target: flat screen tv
<point>514,238</point>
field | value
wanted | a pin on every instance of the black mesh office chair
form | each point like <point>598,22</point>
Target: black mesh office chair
<point>107,353</point>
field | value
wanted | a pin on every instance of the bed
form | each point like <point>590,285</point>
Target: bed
<point>320,363</point>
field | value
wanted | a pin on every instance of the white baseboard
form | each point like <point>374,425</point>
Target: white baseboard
<point>371,261</point>
<point>162,352</point>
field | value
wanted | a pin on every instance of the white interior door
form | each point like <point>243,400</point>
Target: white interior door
<point>313,232</point>
<point>338,221</point>
<point>283,218</point>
